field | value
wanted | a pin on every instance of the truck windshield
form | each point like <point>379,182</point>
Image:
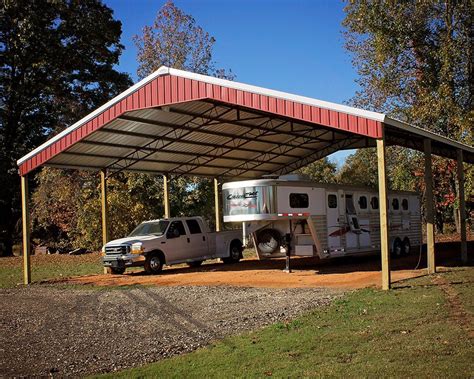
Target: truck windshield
<point>147,228</point>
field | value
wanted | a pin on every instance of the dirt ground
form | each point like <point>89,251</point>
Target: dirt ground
<point>347,272</point>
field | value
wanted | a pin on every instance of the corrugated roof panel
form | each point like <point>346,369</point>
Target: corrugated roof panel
<point>84,148</point>
<point>74,160</point>
<point>169,157</point>
<point>152,166</point>
<point>120,139</point>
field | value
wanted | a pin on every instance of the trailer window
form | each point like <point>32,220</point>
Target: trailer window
<point>363,202</point>
<point>332,201</point>
<point>374,202</point>
<point>350,209</point>
<point>405,204</point>
<point>395,204</point>
<point>299,200</point>
<point>193,226</point>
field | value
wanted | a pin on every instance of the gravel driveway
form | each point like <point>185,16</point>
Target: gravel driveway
<point>62,331</point>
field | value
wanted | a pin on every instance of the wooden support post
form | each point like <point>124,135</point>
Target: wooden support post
<point>25,212</point>
<point>383,210</point>
<point>105,208</point>
<point>462,206</point>
<point>429,209</point>
<point>217,205</point>
<point>166,196</point>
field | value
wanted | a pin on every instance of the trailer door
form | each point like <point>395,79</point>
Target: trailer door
<point>334,227</point>
<point>352,235</point>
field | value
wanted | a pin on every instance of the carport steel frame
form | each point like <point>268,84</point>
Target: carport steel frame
<point>227,130</point>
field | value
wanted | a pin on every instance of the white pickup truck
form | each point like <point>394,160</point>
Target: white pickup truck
<point>155,243</point>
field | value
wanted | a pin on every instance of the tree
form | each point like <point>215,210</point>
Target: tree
<point>414,61</point>
<point>360,168</point>
<point>321,171</point>
<point>66,206</point>
<point>66,214</point>
<point>57,63</point>
<point>174,40</point>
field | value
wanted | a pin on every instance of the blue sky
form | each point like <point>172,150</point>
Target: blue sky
<point>294,46</point>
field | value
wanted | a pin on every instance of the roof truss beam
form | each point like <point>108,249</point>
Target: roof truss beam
<point>168,151</point>
<point>140,160</point>
<point>209,122</point>
<point>308,134</point>
<point>156,142</point>
<point>278,149</point>
<point>169,139</point>
<point>250,164</point>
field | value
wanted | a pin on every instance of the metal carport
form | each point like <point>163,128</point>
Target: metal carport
<point>181,123</point>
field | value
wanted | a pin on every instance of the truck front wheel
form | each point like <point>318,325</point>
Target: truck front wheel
<point>153,264</point>
<point>234,254</point>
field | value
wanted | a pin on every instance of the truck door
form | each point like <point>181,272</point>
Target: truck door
<point>178,244</point>
<point>334,227</point>
<point>198,246</point>
<point>352,235</point>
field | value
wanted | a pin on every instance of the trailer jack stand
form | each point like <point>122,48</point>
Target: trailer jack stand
<point>288,253</point>
<point>287,268</point>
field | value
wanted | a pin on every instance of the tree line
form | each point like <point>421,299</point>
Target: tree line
<point>414,61</point>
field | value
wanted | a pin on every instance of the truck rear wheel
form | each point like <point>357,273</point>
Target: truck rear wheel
<point>153,264</point>
<point>235,252</point>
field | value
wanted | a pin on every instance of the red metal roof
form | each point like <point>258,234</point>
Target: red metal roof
<point>168,88</point>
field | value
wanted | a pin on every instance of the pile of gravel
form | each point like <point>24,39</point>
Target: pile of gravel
<point>48,330</point>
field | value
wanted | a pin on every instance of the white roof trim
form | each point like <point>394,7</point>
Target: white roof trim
<point>278,94</point>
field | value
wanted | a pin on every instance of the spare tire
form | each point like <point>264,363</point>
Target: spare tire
<point>268,240</point>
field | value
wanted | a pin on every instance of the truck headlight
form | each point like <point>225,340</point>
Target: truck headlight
<point>102,251</point>
<point>137,248</point>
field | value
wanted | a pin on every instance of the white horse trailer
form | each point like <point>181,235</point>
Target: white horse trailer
<point>325,220</point>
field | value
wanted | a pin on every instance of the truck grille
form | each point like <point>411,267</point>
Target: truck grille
<point>116,250</point>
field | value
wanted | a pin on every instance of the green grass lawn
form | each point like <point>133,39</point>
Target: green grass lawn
<point>408,332</point>
<point>48,267</point>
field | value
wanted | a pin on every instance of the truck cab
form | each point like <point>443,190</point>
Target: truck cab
<point>156,243</point>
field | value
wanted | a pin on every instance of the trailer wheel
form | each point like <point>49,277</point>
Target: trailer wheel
<point>235,252</point>
<point>153,264</point>
<point>406,246</point>
<point>397,250</point>
<point>117,270</point>
<point>268,240</point>
<point>195,264</point>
